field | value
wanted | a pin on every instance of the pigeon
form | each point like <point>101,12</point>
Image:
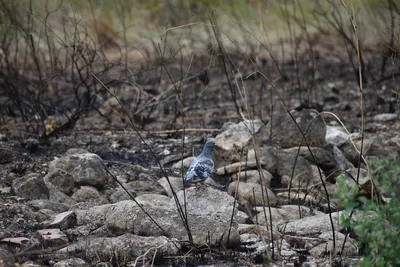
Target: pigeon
<point>202,167</point>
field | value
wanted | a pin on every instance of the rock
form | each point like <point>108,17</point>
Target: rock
<point>323,158</point>
<point>371,147</point>
<point>211,182</point>
<point>235,167</point>
<point>365,185</point>
<point>318,174</point>
<point>176,182</point>
<point>268,157</point>
<point>284,213</point>
<point>241,217</point>
<point>264,219</point>
<point>352,153</point>
<point>125,248</point>
<point>61,179</point>
<point>312,264</point>
<point>351,176</point>
<point>47,212</point>
<point>236,136</point>
<point>88,193</point>
<point>153,199</point>
<point>48,204</point>
<point>5,190</point>
<point>296,198</point>
<point>65,220</point>
<point>209,218</point>
<point>385,117</point>
<point>88,204</point>
<point>336,136</point>
<point>119,194</point>
<point>395,141</point>
<point>31,186</point>
<point>58,196</point>
<point>186,164</point>
<point>19,167</point>
<point>71,262</point>
<point>253,176</point>
<point>286,166</point>
<point>249,238</point>
<point>285,250</point>
<point>206,202</point>
<point>310,226</point>
<point>44,238</point>
<point>342,162</point>
<point>96,215</point>
<point>126,216</point>
<point>286,133</point>
<point>145,185</point>
<point>233,138</point>
<point>317,196</point>
<point>323,245</point>
<point>250,193</point>
<point>86,168</point>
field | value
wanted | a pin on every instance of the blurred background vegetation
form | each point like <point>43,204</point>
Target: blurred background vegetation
<point>142,24</point>
<point>53,48</point>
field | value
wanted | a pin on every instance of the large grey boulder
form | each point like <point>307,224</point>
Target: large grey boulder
<point>61,179</point>
<point>206,202</point>
<point>85,168</point>
<point>209,212</point>
<point>294,171</point>
<point>286,133</point>
<point>126,216</point>
<point>235,137</point>
<point>322,157</point>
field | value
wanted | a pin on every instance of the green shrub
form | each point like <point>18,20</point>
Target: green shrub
<point>376,226</point>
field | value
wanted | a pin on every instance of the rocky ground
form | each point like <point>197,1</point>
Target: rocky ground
<point>95,195</point>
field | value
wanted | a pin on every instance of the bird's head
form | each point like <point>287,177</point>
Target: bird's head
<point>210,144</point>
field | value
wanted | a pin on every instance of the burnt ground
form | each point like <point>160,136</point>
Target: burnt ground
<point>204,96</point>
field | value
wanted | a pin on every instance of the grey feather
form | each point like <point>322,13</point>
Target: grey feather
<point>202,167</point>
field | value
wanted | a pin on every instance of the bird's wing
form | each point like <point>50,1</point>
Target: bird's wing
<point>200,169</point>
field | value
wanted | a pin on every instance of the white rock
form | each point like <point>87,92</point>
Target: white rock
<point>385,117</point>
<point>335,136</point>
